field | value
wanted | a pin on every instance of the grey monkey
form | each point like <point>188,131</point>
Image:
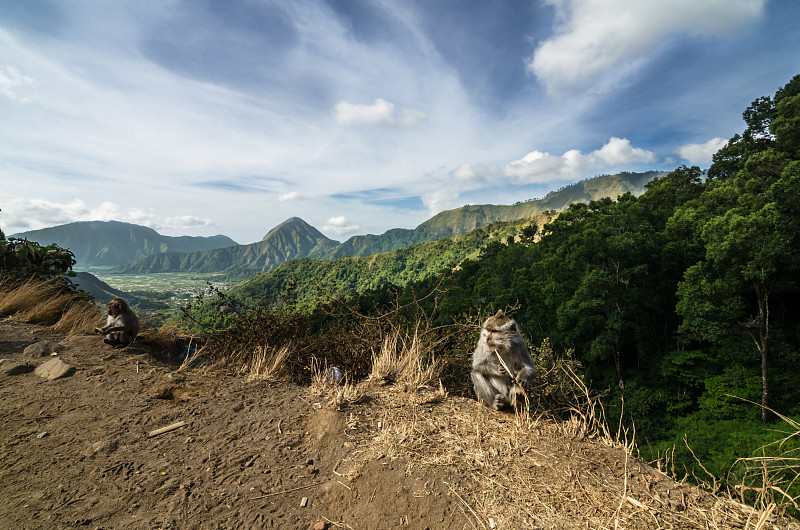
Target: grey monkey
<point>494,386</point>
<point>122,325</point>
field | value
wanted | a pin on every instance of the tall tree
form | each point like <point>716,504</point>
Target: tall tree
<point>750,243</point>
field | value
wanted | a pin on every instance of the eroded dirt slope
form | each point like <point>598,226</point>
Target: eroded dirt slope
<point>75,452</point>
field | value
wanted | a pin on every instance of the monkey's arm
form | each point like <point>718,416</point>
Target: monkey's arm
<point>528,370</point>
<point>107,330</point>
<point>525,375</point>
<point>488,367</point>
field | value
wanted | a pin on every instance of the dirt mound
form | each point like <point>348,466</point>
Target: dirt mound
<point>76,451</point>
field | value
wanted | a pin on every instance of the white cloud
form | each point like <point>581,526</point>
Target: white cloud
<point>438,201</point>
<point>618,151</point>
<point>474,173</point>
<point>290,196</point>
<point>34,214</point>
<point>538,166</point>
<point>594,36</point>
<point>544,167</point>
<point>14,85</point>
<point>379,113</point>
<point>340,225</point>
<point>185,222</point>
<point>464,172</point>
<point>700,154</point>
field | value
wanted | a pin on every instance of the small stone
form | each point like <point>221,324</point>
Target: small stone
<point>55,368</point>
<point>11,367</point>
<point>178,378</point>
<point>42,349</point>
<point>321,525</point>
<point>304,502</point>
<point>238,407</point>
<point>42,434</point>
<point>311,470</point>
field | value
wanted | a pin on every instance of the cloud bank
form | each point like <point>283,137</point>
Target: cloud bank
<point>591,36</point>
<point>381,112</point>
<point>700,154</point>
<point>539,167</point>
<point>339,225</point>
<point>43,213</point>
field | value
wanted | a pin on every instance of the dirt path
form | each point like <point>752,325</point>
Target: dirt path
<point>75,452</point>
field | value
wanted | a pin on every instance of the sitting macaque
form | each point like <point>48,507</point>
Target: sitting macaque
<point>121,327</point>
<point>494,386</point>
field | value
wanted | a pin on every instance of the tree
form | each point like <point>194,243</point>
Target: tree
<point>750,243</point>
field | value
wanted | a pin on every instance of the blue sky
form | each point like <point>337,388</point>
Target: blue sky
<point>200,117</point>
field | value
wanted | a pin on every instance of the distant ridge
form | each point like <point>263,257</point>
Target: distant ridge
<point>295,239</point>
<point>112,243</point>
<point>462,220</point>
<point>292,239</point>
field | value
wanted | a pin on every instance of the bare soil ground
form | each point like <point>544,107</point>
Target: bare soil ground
<point>75,452</point>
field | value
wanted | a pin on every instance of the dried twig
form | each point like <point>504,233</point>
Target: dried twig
<point>168,428</point>
<point>286,491</point>
<point>466,504</point>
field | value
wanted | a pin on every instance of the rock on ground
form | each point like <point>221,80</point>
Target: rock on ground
<point>55,368</point>
<point>12,367</point>
<point>42,349</point>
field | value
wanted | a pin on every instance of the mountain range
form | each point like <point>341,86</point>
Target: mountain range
<point>113,243</point>
<point>131,248</point>
<point>295,239</point>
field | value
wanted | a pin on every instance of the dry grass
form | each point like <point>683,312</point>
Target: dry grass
<point>268,363</point>
<point>532,471</point>
<point>168,339</point>
<point>406,358</point>
<point>774,479</point>
<point>334,388</point>
<point>47,302</point>
<point>81,316</point>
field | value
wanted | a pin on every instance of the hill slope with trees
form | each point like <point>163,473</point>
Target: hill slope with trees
<point>309,278</point>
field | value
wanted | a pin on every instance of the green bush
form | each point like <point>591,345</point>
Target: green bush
<point>724,396</point>
<point>20,257</point>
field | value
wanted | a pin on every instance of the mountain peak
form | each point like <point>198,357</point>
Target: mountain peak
<point>294,224</point>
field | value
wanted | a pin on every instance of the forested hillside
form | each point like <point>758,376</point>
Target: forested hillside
<point>310,278</point>
<point>111,243</point>
<point>459,221</point>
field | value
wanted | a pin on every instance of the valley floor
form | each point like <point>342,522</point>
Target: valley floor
<point>75,451</point>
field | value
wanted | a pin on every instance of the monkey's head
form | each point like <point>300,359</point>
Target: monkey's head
<point>498,331</point>
<point>117,306</point>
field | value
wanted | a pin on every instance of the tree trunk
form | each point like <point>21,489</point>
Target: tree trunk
<point>763,345</point>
